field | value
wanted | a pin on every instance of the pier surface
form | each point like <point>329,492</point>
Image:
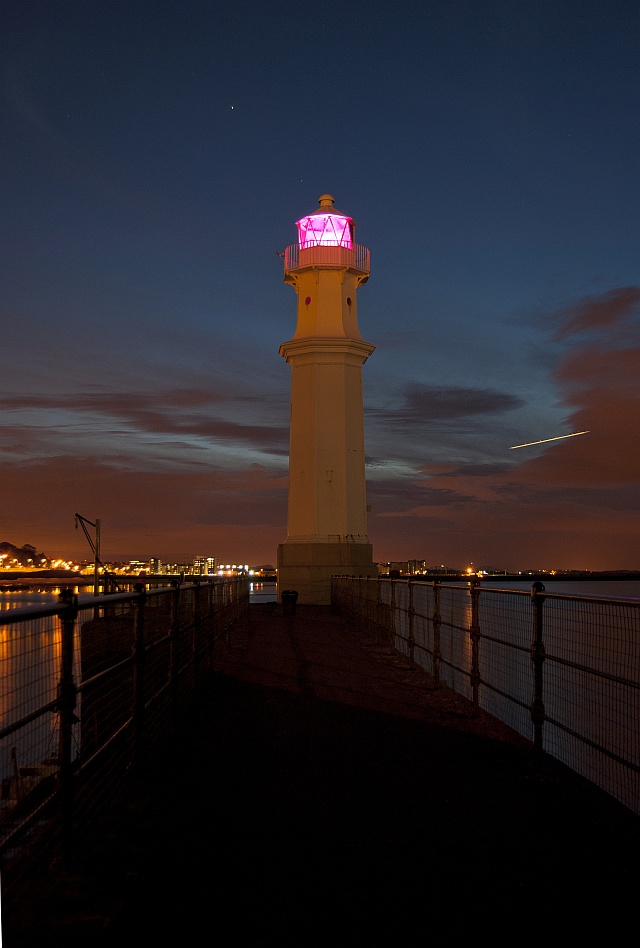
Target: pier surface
<point>320,790</point>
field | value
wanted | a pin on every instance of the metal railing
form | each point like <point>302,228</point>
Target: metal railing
<point>87,685</point>
<point>326,255</point>
<point>563,671</point>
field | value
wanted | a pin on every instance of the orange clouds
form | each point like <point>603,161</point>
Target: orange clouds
<point>162,514</point>
<point>607,311</point>
<point>574,502</point>
<point>193,470</point>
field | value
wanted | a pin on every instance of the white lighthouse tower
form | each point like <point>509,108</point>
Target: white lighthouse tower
<point>327,515</point>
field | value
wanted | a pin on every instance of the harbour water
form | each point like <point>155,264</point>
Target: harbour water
<point>15,597</point>
<point>263,592</point>
<point>609,589</point>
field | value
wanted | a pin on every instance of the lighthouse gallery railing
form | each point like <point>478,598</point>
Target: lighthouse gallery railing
<point>297,256</point>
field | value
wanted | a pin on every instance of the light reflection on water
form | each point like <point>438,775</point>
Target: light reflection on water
<point>30,668</point>
<point>263,592</point>
<point>29,671</point>
<point>19,597</point>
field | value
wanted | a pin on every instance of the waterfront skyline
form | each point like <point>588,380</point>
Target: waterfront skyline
<point>156,156</point>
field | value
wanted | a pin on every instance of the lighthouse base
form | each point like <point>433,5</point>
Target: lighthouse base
<point>308,567</point>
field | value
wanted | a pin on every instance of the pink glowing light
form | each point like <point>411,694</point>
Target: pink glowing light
<point>326,230</point>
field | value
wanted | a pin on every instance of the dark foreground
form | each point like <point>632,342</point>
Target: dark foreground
<point>320,791</point>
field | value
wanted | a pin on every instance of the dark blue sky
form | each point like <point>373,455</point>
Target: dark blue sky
<point>154,158</point>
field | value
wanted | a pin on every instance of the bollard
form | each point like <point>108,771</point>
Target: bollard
<point>289,600</point>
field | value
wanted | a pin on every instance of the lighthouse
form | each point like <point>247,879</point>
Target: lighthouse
<point>327,508</point>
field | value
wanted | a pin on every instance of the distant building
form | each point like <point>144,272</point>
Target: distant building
<point>205,565</point>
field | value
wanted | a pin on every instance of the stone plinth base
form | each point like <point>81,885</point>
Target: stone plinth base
<point>308,567</point>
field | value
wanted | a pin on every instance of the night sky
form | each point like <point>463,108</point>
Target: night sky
<point>154,157</point>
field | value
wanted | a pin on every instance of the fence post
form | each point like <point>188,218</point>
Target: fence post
<point>197,625</point>
<point>412,635</point>
<point>66,705</point>
<point>138,674</point>
<point>224,613</point>
<point>474,633</point>
<point>537,657</point>
<point>392,613</point>
<point>173,645</point>
<point>209,626</point>
<point>367,606</point>
<point>437,620</point>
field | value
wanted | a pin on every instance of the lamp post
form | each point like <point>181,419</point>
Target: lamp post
<point>95,546</point>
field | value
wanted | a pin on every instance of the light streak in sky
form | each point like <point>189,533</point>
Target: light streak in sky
<point>545,440</point>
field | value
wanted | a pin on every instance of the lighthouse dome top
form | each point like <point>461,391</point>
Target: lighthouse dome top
<point>326,226</point>
<point>326,201</point>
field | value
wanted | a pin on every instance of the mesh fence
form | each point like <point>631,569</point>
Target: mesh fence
<point>591,690</point>
<point>564,671</point>
<point>86,688</point>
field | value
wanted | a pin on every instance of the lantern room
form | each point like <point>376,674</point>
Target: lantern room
<point>326,239</point>
<point>326,227</point>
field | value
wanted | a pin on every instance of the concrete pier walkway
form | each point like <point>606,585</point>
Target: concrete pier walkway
<point>322,791</point>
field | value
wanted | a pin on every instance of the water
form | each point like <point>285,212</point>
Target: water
<point>263,592</point>
<point>15,597</point>
<point>29,671</point>
<point>21,596</point>
<point>259,592</point>
<point>609,589</point>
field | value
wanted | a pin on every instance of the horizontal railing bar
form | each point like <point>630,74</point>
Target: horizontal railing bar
<point>105,674</point>
<point>26,821</point>
<point>510,645</point>
<point>28,718</point>
<point>587,740</point>
<point>597,673</point>
<point>505,694</point>
<point>88,601</point>
<point>484,590</point>
<point>13,616</point>
<point>84,765</point>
